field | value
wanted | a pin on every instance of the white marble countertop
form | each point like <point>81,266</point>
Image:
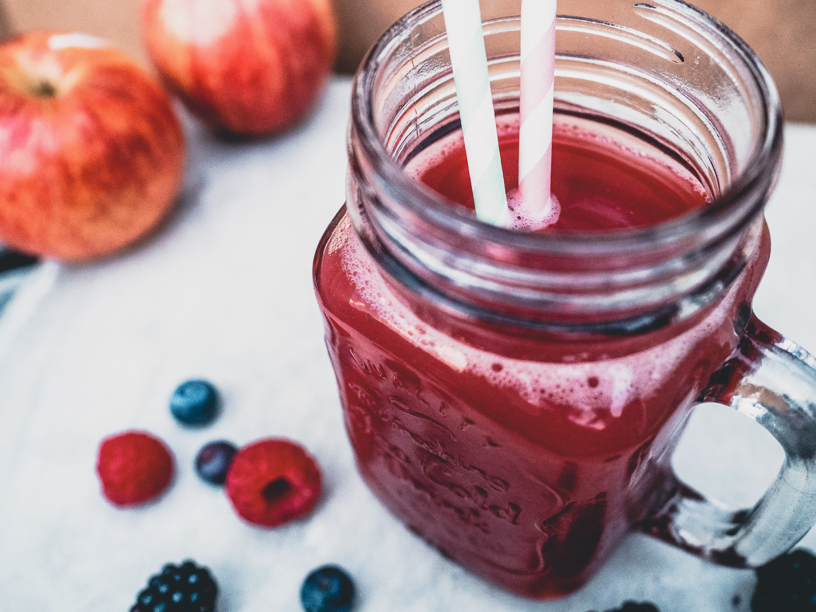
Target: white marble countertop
<point>224,292</point>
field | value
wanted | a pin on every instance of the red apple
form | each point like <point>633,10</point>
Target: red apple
<point>247,67</point>
<point>91,152</point>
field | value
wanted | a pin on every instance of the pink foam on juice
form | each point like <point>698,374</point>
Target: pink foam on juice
<point>588,387</point>
<point>518,469</point>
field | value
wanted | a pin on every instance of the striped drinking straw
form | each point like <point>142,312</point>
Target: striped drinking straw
<point>536,110</point>
<point>463,22</point>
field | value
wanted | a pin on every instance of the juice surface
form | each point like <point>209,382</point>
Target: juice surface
<point>603,179</point>
<point>519,470</point>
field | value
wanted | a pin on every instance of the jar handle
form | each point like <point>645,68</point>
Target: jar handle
<point>773,381</point>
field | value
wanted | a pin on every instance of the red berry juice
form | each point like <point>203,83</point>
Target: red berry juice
<point>520,469</point>
<point>601,184</point>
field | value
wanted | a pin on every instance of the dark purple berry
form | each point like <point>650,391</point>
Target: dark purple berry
<point>213,461</point>
<point>185,588</point>
<point>327,589</point>
<point>631,606</point>
<point>194,402</point>
<point>787,584</point>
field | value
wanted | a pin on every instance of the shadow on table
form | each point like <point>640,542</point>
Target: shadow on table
<point>14,268</point>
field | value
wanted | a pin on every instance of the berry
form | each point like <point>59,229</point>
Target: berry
<point>185,588</point>
<point>213,461</point>
<point>327,589</point>
<point>134,467</point>
<point>631,606</point>
<point>194,402</point>
<point>787,583</point>
<point>273,481</point>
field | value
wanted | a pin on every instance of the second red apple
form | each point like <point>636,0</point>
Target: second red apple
<point>249,67</point>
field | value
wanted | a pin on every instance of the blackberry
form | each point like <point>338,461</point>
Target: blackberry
<point>327,589</point>
<point>185,588</point>
<point>631,606</point>
<point>194,402</point>
<point>787,583</point>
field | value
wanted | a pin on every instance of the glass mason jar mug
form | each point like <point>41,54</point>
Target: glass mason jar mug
<point>515,397</point>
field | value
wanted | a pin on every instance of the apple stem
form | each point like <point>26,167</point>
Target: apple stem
<point>44,89</point>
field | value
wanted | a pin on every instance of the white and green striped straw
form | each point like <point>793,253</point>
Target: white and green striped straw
<point>463,22</point>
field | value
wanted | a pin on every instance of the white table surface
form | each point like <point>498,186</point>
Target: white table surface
<point>224,292</point>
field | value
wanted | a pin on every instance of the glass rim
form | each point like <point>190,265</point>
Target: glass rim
<point>731,212</point>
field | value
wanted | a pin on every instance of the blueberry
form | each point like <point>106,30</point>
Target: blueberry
<point>213,461</point>
<point>194,402</point>
<point>327,589</point>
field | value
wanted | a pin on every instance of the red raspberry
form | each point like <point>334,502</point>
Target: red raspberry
<point>134,467</point>
<point>272,481</point>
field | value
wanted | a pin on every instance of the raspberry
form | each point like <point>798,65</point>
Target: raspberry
<point>194,402</point>
<point>134,467</point>
<point>787,584</point>
<point>327,589</point>
<point>188,588</point>
<point>272,481</point>
<point>213,461</point>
